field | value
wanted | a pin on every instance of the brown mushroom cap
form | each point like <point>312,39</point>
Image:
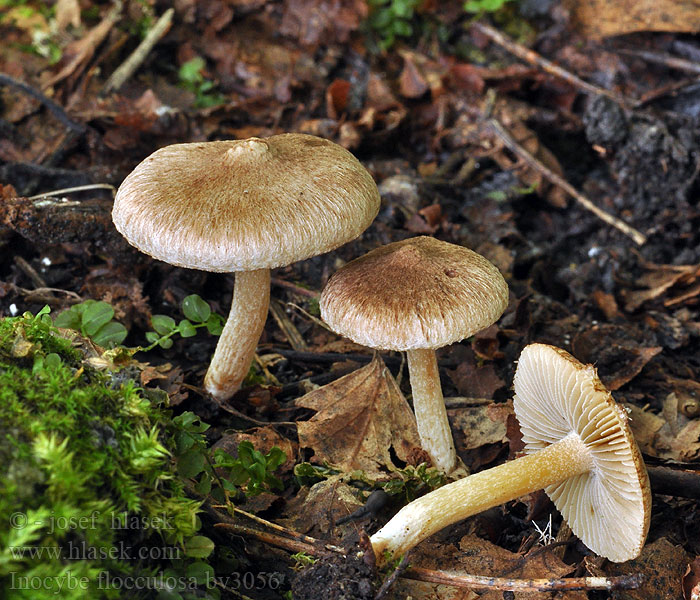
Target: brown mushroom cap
<point>247,204</point>
<point>607,507</point>
<point>417,293</point>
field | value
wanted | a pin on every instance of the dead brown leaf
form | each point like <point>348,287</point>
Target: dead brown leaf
<point>661,564</point>
<point>359,419</point>
<point>661,280</point>
<point>67,13</point>
<point>317,21</point>
<point>477,556</point>
<point>77,54</point>
<point>475,381</point>
<point>691,580</point>
<point>602,18</point>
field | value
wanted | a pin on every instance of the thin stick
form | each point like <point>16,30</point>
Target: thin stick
<point>288,532</point>
<point>548,66</point>
<point>52,107</point>
<point>136,58</point>
<point>295,339</point>
<point>279,541</point>
<point>293,287</point>
<point>622,582</point>
<point>672,62</point>
<point>77,188</point>
<point>517,149</point>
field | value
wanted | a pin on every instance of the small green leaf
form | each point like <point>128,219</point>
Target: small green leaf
<point>152,336</point>
<point>163,324</point>
<point>257,472</point>
<point>199,547</point>
<point>402,28</point>
<point>165,343</point>
<point>239,474</point>
<point>110,335</point>
<point>215,324</point>
<point>186,328</point>
<point>190,463</point>
<point>196,309</point>
<point>189,72</point>
<point>95,316</point>
<point>191,422</point>
<point>203,486</point>
<point>218,495</point>
<point>68,319</point>
<point>52,361</point>
<point>229,486</point>
<point>275,458</point>
<point>200,572</point>
<point>245,453</point>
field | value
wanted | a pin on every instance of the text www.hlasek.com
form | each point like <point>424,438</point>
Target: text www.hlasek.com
<point>83,551</point>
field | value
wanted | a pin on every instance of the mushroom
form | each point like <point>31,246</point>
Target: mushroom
<point>244,206</point>
<point>417,295</point>
<point>579,448</point>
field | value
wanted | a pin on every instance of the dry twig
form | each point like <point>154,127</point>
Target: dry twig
<point>638,237</point>
<point>315,547</point>
<point>548,66</point>
<point>622,582</point>
<point>136,58</point>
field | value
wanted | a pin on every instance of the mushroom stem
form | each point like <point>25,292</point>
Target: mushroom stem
<point>429,407</point>
<point>465,497</point>
<point>240,336</point>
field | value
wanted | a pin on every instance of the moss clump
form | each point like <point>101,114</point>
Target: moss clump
<point>90,504</point>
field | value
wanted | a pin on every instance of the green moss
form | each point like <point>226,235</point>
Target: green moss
<point>88,484</point>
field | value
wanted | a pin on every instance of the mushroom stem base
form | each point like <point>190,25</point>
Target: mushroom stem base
<point>429,406</point>
<point>476,493</point>
<point>239,338</point>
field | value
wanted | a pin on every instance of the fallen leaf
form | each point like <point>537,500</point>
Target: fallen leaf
<point>661,564</point>
<point>411,82</point>
<point>477,427</point>
<point>360,418</point>
<point>317,21</point>
<point>691,580</point>
<point>67,13</point>
<point>477,556</point>
<point>601,18</point>
<point>337,97</point>
<point>475,381</point>
<point>78,53</point>
<point>660,279</point>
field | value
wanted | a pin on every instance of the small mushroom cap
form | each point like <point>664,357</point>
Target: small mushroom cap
<point>417,293</point>
<point>246,204</point>
<point>608,507</point>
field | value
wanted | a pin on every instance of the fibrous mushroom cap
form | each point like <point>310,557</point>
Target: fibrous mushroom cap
<point>608,507</point>
<point>417,293</point>
<point>246,204</point>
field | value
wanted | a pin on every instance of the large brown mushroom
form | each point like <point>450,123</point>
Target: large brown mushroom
<point>244,206</point>
<point>417,295</point>
<point>579,449</point>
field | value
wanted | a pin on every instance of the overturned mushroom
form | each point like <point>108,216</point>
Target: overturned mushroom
<point>579,449</point>
<point>244,206</point>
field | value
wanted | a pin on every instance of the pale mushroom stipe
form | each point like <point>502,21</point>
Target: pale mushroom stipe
<point>580,450</point>
<point>244,207</point>
<point>415,296</point>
